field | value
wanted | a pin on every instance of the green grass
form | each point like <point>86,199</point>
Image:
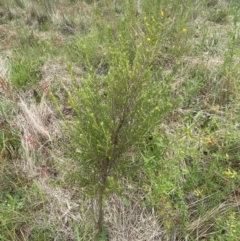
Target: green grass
<point>188,185</point>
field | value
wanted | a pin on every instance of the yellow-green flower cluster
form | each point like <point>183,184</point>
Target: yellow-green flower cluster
<point>230,174</point>
<point>232,224</point>
<point>197,192</point>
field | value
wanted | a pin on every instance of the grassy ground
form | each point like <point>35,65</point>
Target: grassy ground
<point>188,188</point>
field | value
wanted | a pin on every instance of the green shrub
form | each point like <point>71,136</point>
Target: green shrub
<point>114,114</point>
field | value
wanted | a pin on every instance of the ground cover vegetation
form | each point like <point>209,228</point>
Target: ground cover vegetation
<point>119,120</point>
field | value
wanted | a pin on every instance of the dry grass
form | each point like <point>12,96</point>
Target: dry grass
<point>203,225</point>
<point>132,222</point>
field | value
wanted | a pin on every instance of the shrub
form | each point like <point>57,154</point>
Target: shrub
<point>114,114</point>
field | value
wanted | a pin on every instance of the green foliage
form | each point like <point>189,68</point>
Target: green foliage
<point>24,72</point>
<point>19,203</point>
<point>20,3</point>
<point>9,138</point>
<point>219,16</point>
<point>85,48</point>
<point>44,234</point>
<point>116,112</point>
<point>83,233</point>
<point>26,63</point>
<point>163,183</point>
<point>229,226</point>
<point>13,204</point>
<point>113,113</point>
<point>9,143</point>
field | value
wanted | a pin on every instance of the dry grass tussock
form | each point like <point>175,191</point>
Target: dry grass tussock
<point>132,221</point>
<point>123,222</point>
<point>4,67</point>
<point>56,75</point>
<point>62,211</point>
<point>38,121</point>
